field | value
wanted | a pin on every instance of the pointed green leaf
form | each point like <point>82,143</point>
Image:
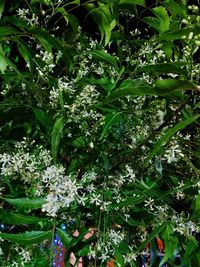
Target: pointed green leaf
<point>65,237</point>
<point>5,31</point>
<point>175,35</point>
<point>179,126</point>
<point>171,244</point>
<point>168,86</point>
<point>151,236</point>
<point>110,120</point>
<point>132,2</point>
<point>43,118</point>
<point>56,137</point>
<point>140,87</point>
<point>161,22</point>
<point>2,4</point>
<point>162,68</point>
<point>18,219</point>
<point>33,203</point>
<point>3,63</point>
<point>191,251</point>
<point>28,238</point>
<point>103,56</point>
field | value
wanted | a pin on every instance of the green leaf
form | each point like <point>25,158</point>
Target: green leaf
<point>151,236</point>
<point>5,31</point>
<point>43,118</point>
<point>129,87</point>
<point>28,238</point>
<point>98,17</point>
<point>168,86</point>
<point>69,18</point>
<point>123,247</point>
<point>171,243</point>
<point>25,52</point>
<point>119,257</point>
<point>33,203</point>
<point>162,68</point>
<point>179,126</point>
<point>110,120</point>
<point>65,237</point>
<point>175,35</point>
<point>3,62</point>
<point>45,2</point>
<point>139,87</point>
<point>191,250</point>
<point>80,238</point>
<point>108,30</point>
<point>2,4</point>
<point>18,219</point>
<point>161,22</point>
<point>79,142</point>
<point>132,2</point>
<point>105,83</point>
<point>162,15</point>
<point>56,137</point>
<point>103,56</point>
<point>197,203</point>
<point>176,8</point>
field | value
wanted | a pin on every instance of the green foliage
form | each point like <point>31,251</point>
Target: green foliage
<point>18,219</point>
<point>56,136</point>
<point>27,238</point>
<point>99,131</point>
<point>33,203</point>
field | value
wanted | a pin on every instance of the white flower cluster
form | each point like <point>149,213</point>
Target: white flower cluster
<point>36,169</point>
<point>173,153</point>
<point>23,164</point>
<point>184,226</point>
<point>24,257</point>
<point>26,15</point>
<point>116,236</point>
<point>62,190</point>
<point>48,59</point>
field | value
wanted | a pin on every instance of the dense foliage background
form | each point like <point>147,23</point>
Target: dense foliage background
<point>99,132</point>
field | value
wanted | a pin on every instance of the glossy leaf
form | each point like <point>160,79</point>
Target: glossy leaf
<point>139,87</point>
<point>110,120</point>
<point>43,118</point>
<point>191,250</point>
<point>33,203</point>
<point>170,132</point>
<point>5,31</point>
<point>152,235</point>
<point>2,4</point>
<point>132,2</point>
<point>178,34</point>
<point>171,244</point>
<point>155,69</point>
<point>28,238</point>
<point>161,21</point>
<point>65,237</point>
<point>3,62</point>
<point>56,137</point>
<point>18,219</point>
<point>103,56</point>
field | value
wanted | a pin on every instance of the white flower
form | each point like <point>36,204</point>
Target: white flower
<point>149,203</point>
<point>115,236</point>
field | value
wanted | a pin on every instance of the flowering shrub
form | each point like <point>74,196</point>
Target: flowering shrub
<point>99,130</point>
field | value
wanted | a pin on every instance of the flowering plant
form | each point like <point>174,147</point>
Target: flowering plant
<point>99,132</point>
